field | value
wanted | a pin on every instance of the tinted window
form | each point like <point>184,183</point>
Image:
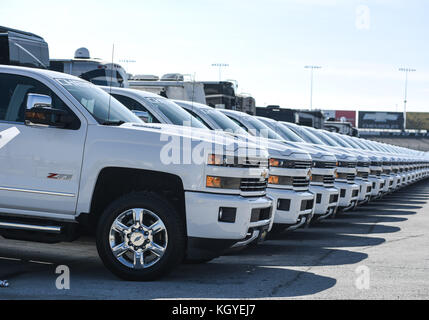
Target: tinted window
<point>339,140</point>
<point>240,124</point>
<point>326,138</point>
<point>306,135</point>
<point>173,112</point>
<point>134,105</point>
<point>103,107</point>
<point>224,122</point>
<point>13,98</point>
<point>199,118</point>
<point>282,130</point>
<point>263,130</point>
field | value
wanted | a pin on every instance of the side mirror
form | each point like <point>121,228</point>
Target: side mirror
<point>40,112</point>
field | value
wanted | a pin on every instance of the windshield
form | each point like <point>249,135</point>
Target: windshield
<point>307,135</point>
<point>327,139</point>
<point>368,145</point>
<point>223,121</point>
<point>376,146</point>
<point>351,142</point>
<point>283,131</point>
<point>360,144</point>
<point>340,141</point>
<point>262,130</point>
<point>103,107</point>
<point>173,112</point>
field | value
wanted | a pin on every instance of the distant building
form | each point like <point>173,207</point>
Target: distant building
<point>310,118</point>
<point>246,103</point>
<point>220,94</point>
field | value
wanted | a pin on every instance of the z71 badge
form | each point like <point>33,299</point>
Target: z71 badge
<point>58,176</point>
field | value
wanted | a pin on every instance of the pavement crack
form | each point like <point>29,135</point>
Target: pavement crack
<point>277,288</point>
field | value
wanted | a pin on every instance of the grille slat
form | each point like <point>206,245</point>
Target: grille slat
<point>328,180</point>
<point>302,164</point>
<point>300,182</point>
<point>363,175</point>
<point>351,177</point>
<point>325,164</point>
<point>253,184</point>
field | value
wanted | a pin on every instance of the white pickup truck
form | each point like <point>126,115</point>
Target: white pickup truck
<point>73,159</point>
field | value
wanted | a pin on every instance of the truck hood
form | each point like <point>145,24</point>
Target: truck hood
<point>276,149</point>
<point>219,139</point>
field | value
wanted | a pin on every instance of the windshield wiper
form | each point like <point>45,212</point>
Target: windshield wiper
<point>113,123</point>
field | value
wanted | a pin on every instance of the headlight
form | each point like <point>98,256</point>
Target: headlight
<point>279,163</point>
<point>236,161</point>
<point>223,182</point>
<point>216,160</point>
<point>343,164</point>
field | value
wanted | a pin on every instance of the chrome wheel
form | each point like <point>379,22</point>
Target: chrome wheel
<point>138,238</point>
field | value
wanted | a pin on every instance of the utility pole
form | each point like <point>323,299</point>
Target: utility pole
<point>312,68</point>
<point>406,70</point>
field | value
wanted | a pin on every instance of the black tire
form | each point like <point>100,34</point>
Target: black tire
<point>176,247</point>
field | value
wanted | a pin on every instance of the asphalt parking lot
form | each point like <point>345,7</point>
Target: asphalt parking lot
<point>386,242</point>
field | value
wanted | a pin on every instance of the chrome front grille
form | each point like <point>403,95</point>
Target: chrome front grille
<point>352,164</point>
<point>351,177</point>
<point>248,162</point>
<point>302,164</point>
<point>325,164</point>
<point>363,175</point>
<point>328,180</point>
<point>375,173</point>
<point>300,182</point>
<point>253,185</point>
<point>363,164</point>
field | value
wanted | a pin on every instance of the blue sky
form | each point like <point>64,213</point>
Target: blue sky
<point>359,44</point>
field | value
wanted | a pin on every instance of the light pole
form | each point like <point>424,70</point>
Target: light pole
<point>220,65</point>
<point>311,84</point>
<point>406,70</point>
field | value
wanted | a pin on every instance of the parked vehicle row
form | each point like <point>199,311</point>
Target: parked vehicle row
<point>159,182</point>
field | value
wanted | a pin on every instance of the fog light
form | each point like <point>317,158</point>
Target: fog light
<point>223,182</point>
<point>273,179</point>
<point>227,214</point>
<point>213,182</point>
<point>283,204</point>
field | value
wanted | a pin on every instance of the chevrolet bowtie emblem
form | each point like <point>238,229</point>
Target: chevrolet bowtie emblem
<point>264,174</point>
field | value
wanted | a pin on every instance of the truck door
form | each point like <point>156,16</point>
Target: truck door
<point>39,165</point>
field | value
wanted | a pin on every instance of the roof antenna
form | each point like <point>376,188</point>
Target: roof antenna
<point>193,93</point>
<point>111,80</point>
